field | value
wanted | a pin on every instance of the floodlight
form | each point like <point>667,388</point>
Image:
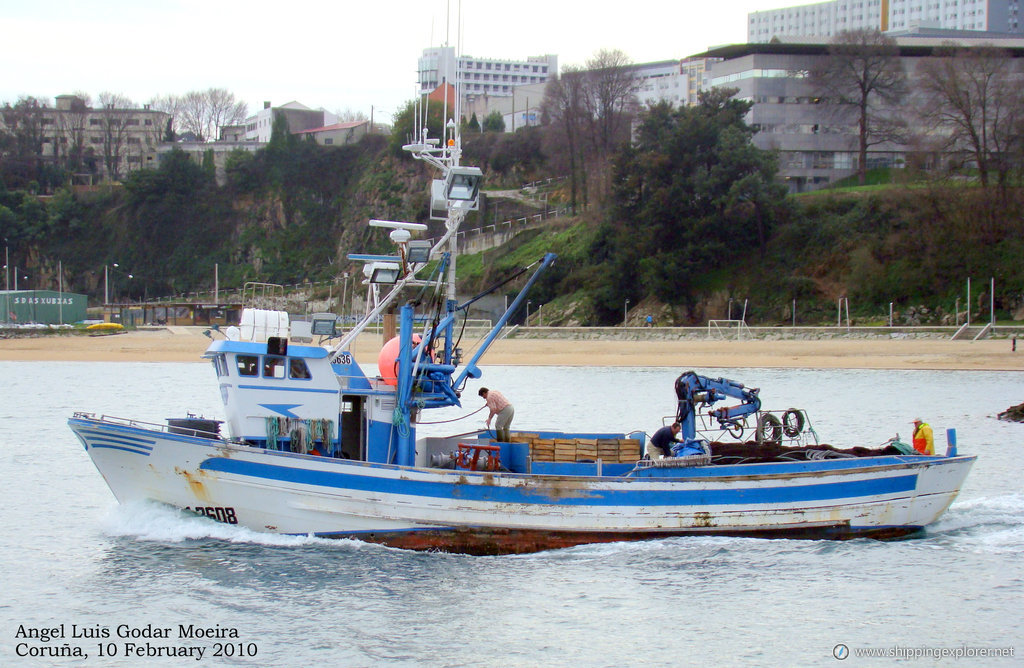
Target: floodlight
<point>419,251</point>
<point>463,184</point>
<point>324,324</point>
<point>384,272</point>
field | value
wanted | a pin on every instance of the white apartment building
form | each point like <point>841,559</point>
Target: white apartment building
<point>481,76</point>
<point>663,81</point>
<point>825,19</point>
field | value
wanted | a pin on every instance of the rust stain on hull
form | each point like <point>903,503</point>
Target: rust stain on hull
<point>195,485</point>
<point>483,542</point>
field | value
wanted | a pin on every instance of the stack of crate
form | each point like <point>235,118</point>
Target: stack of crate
<point>542,450</point>
<point>618,449</point>
<point>586,450</point>
<point>609,450</point>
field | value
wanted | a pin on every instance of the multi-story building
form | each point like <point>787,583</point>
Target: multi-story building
<point>477,77</point>
<point>105,142</point>
<point>672,81</point>
<point>815,144</point>
<point>826,19</point>
<point>259,126</point>
<point>662,81</point>
<point>696,70</point>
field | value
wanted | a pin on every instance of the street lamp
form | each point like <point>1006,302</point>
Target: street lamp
<point>540,315</point>
<point>7,282</point>
<point>625,313</point>
<point>528,302</point>
<point>106,283</point>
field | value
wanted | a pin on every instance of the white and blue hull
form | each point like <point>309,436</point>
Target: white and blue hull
<point>481,512</point>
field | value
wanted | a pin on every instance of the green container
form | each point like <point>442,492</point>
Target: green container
<point>47,307</point>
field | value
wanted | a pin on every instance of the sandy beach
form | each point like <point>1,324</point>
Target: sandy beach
<point>186,344</point>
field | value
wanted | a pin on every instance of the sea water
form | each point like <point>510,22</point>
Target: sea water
<point>123,584</point>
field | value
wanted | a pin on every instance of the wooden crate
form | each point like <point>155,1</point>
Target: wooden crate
<point>586,449</point>
<point>629,450</point>
<point>542,450</point>
<point>565,453</point>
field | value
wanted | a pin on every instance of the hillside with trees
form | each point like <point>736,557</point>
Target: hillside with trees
<point>676,213</point>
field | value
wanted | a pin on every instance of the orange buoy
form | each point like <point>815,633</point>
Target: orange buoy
<point>387,360</point>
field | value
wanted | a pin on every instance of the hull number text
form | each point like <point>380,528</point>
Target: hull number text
<point>226,515</point>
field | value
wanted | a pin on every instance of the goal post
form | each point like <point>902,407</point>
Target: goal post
<point>725,329</point>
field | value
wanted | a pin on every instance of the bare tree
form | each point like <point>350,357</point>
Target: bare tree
<point>348,115</point>
<point>194,111</point>
<point>171,105</point>
<point>975,98</point>
<point>610,90</point>
<point>24,141</point>
<point>864,77</point>
<point>222,109</point>
<point>564,107</point>
<point>115,113</point>
<point>609,98</point>
<point>590,109</point>
<point>203,112</point>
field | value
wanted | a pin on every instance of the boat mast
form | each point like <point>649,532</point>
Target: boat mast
<point>461,188</point>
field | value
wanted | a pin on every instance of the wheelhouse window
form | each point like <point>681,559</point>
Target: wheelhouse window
<point>273,367</point>
<point>297,368</point>
<point>221,365</point>
<point>248,365</point>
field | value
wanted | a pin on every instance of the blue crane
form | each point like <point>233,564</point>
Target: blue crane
<point>694,390</point>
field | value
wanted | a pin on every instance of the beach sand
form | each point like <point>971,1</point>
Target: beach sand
<point>186,344</point>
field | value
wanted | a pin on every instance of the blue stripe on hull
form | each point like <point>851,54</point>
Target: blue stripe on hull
<point>98,444</point>
<point>95,438</point>
<point>147,443</point>
<point>311,390</point>
<point>563,492</point>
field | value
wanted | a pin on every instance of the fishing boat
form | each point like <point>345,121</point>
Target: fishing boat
<point>313,442</point>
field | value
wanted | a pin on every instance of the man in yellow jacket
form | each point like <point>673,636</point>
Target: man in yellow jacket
<point>924,441</point>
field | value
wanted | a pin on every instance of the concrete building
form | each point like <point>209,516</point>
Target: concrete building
<point>696,70</point>
<point>112,141</point>
<point>232,133</point>
<point>816,146</point>
<point>337,134</point>
<point>519,110</point>
<point>662,81</point>
<point>826,19</point>
<point>259,126</point>
<point>478,77</point>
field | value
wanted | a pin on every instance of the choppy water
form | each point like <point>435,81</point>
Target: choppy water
<point>70,555</point>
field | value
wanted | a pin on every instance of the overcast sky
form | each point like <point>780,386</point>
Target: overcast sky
<point>336,55</point>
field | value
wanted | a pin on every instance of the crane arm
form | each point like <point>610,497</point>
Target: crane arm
<point>694,390</point>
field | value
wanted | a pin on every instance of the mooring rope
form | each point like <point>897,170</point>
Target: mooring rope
<point>458,418</point>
